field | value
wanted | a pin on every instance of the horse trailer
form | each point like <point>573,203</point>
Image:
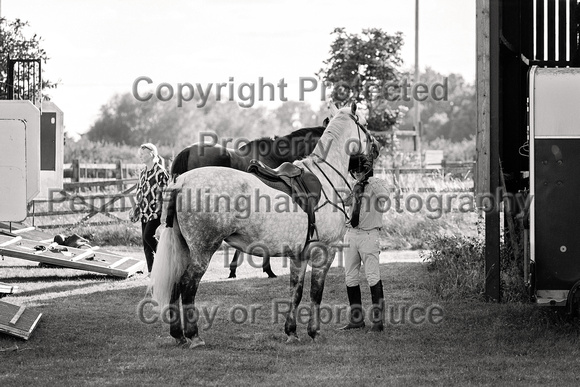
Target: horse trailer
<point>554,144</point>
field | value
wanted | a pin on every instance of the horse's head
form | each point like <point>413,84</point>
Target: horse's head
<point>350,109</point>
<point>364,147</point>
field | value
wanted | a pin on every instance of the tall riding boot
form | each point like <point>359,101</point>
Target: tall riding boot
<point>357,317</point>
<point>378,310</point>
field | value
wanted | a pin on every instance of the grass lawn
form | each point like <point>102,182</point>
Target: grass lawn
<point>91,334</point>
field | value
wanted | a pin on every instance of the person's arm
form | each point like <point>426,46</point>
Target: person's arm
<point>135,214</point>
<point>162,179</point>
<point>139,188</point>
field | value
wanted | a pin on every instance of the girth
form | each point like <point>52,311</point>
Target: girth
<point>302,186</point>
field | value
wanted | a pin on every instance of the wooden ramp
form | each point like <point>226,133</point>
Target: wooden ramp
<point>24,231</point>
<point>17,320</point>
<point>93,259</point>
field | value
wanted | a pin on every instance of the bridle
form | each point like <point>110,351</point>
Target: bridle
<point>371,141</point>
<point>367,156</point>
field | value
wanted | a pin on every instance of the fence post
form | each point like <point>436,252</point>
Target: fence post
<point>119,174</point>
<point>76,172</point>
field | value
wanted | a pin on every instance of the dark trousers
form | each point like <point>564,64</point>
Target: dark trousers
<point>149,241</point>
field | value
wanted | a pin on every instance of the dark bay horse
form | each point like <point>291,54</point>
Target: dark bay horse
<point>272,152</point>
<point>186,249</point>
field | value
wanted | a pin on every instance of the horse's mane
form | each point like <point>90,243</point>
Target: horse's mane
<point>303,132</point>
<point>300,138</point>
<point>315,131</point>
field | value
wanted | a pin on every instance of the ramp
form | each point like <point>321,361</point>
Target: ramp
<point>17,320</point>
<point>17,228</point>
<point>93,259</point>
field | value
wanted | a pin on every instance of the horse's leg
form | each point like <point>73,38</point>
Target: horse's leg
<point>297,273</point>
<point>191,315</point>
<point>188,286</point>
<point>234,264</point>
<point>267,268</point>
<point>175,329</point>
<point>321,260</point>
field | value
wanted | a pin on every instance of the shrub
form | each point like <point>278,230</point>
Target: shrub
<point>457,270</point>
<point>415,231</point>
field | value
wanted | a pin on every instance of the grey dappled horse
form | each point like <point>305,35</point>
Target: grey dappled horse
<point>185,250</point>
<point>271,151</point>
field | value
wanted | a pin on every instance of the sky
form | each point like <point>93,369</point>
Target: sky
<point>100,48</point>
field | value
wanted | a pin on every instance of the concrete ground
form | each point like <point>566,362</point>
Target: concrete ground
<point>251,266</point>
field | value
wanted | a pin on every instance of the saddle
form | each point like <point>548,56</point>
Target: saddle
<point>302,186</point>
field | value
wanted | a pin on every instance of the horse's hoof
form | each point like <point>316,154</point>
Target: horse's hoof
<point>272,275</point>
<point>195,342</point>
<point>292,339</point>
<point>232,275</point>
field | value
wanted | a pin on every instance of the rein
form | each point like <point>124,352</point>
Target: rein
<point>328,201</point>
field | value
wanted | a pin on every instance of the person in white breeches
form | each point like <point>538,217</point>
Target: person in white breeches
<point>362,245</point>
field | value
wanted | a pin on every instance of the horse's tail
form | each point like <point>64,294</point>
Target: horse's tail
<point>170,263</point>
<point>180,164</point>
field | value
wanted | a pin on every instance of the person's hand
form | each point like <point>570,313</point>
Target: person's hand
<point>348,199</point>
<point>135,214</point>
<point>358,189</point>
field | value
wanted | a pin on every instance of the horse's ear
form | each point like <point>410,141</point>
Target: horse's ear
<point>325,122</point>
<point>333,110</point>
<point>353,108</point>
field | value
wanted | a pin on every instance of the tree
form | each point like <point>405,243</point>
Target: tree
<point>228,120</point>
<point>126,120</point>
<point>15,45</point>
<point>452,118</point>
<point>361,68</point>
<point>295,115</point>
